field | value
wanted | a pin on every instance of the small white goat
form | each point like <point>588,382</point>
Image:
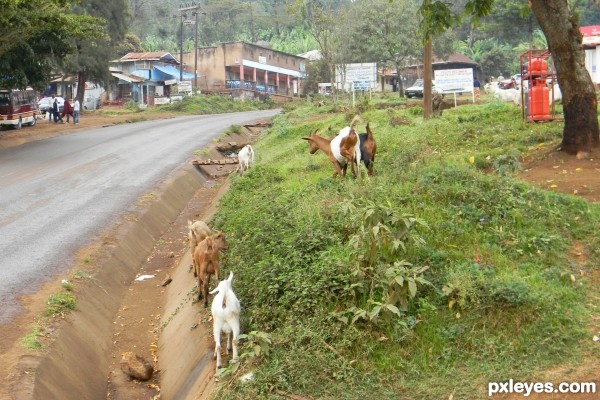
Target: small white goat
<point>245,158</point>
<point>225,310</point>
<point>197,232</point>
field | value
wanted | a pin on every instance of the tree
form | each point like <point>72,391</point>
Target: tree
<point>91,62</point>
<point>130,44</point>
<point>35,39</point>
<point>386,31</point>
<point>325,23</point>
<point>561,29</point>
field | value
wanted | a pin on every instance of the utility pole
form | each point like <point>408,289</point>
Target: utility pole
<point>188,6</point>
<point>181,49</point>
<point>196,49</point>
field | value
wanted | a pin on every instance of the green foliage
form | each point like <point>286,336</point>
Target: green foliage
<point>346,276</point>
<point>31,340</point>
<point>381,279</point>
<point>237,129</point>
<point>37,37</point>
<point>60,304</point>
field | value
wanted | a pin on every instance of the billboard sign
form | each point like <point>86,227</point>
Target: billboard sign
<point>454,80</point>
<point>347,74</point>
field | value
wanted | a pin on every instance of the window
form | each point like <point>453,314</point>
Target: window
<point>142,64</point>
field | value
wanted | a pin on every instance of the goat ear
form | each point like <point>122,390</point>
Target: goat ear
<point>215,290</point>
<point>230,276</point>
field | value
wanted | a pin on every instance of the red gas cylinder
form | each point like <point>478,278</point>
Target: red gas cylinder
<point>539,101</point>
<point>537,66</point>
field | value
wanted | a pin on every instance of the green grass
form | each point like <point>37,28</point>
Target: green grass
<point>31,340</point>
<point>495,301</point>
<point>196,105</point>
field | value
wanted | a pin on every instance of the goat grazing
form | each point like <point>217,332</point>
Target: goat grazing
<point>342,150</point>
<point>206,262</point>
<point>225,310</point>
<point>197,231</point>
<point>245,158</point>
<point>368,148</point>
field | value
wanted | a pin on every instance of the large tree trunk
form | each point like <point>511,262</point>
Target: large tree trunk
<point>561,29</point>
<point>400,85</point>
<point>80,87</point>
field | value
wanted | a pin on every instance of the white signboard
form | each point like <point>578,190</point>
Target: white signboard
<point>170,82</point>
<point>363,84</point>
<point>161,100</point>
<point>184,86</point>
<point>454,80</point>
<point>346,74</point>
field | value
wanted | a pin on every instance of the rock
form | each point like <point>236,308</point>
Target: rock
<point>136,366</point>
<point>583,155</point>
<point>166,281</point>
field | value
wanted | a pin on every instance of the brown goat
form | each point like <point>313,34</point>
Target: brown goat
<point>368,148</point>
<point>206,261</point>
<point>197,231</point>
<point>341,150</point>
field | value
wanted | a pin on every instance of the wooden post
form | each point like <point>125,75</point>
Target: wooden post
<point>427,77</point>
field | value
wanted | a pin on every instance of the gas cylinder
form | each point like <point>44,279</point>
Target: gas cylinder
<point>539,107</point>
<point>537,66</point>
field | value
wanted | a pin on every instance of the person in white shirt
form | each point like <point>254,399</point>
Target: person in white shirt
<point>76,112</point>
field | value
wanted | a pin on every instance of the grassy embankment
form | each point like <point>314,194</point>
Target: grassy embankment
<point>196,105</point>
<point>436,276</point>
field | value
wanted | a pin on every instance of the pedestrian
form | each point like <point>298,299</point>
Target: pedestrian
<point>67,110</point>
<point>76,112</point>
<point>49,111</point>
<point>477,88</point>
<point>56,112</point>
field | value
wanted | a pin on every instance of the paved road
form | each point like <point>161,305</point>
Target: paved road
<point>57,195</point>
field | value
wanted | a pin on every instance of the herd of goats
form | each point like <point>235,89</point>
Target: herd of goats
<point>346,148</point>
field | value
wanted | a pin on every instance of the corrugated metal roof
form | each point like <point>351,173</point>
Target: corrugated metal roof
<point>128,78</point>
<point>150,55</point>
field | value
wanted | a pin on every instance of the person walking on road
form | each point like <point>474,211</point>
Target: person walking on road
<point>67,110</point>
<point>56,112</point>
<point>76,112</point>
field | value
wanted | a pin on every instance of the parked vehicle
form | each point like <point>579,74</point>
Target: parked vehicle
<point>44,104</point>
<point>18,107</point>
<point>416,90</point>
<point>91,103</point>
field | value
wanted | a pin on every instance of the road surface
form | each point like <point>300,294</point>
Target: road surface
<point>57,195</point>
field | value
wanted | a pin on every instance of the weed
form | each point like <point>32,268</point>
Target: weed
<point>60,304</point>
<point>31,340</point>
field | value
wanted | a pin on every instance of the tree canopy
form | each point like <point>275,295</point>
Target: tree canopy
<point>35,38</point>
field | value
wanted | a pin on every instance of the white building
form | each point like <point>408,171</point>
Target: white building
<point>591,45</point>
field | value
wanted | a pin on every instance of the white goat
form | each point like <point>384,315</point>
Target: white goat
<point>557,93</point>
<point>245,158</point>
<point>225,310</point>
<point>197,232</point>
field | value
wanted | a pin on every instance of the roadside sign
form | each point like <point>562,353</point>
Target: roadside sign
<point>184,86</point>
<point>363,84</point>
<point>454,80</point>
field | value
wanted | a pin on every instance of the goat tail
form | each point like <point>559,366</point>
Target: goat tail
<point>369,132</point>
<point>355,120</point>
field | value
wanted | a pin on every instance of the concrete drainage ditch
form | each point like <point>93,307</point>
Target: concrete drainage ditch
<point>80,359</point>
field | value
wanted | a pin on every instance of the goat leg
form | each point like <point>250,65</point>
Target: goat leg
<point>206,292</point>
